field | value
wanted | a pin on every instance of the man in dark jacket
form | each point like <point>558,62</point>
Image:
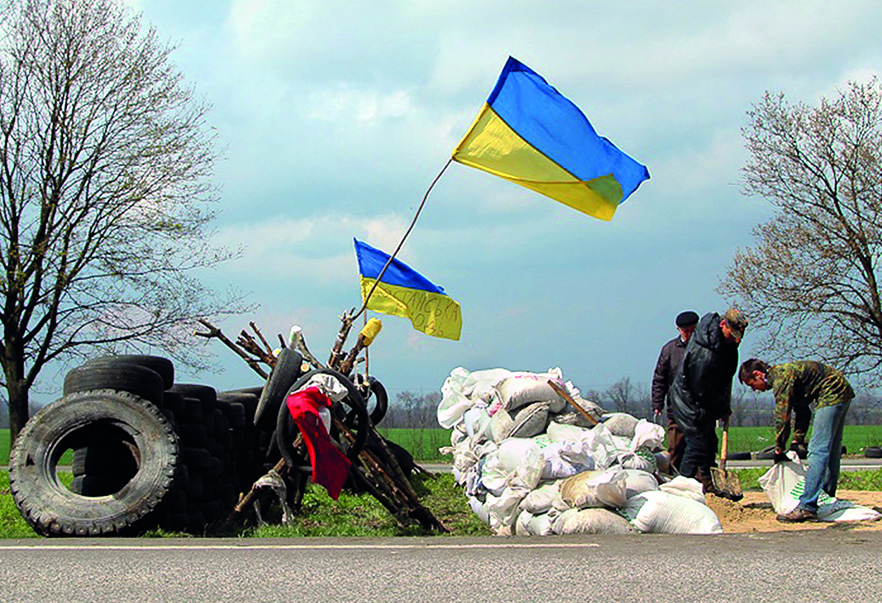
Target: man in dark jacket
<point>669,360</point>
<point>702,390</point>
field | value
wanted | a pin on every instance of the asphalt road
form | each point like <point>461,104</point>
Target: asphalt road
<point>826,565</point>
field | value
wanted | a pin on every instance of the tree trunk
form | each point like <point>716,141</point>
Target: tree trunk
<point>19,411</point>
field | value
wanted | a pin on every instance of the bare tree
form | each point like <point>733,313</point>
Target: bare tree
<point>104,160</point>
<point>810,283</point>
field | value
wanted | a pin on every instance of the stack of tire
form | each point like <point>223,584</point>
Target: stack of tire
<point>147,452</point>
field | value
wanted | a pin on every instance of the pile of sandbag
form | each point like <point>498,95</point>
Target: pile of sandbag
<point>531,464</point>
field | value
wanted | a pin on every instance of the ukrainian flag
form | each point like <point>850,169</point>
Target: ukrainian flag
<point>403,291</point>
<point>527,132</point>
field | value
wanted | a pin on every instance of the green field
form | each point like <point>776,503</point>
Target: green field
<point>424,443</point>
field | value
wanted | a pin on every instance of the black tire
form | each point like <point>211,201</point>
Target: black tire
<point>738,456</point>
<point>873,452</point>
<point>70,423</point>
<point>765,455</point>
<point>104,456</point>
<point>381,400</point>
<point>135,379</point>
<point>204,393</point>
<point>281,378</point>
<point>162,366</point>
<point>286,428</point>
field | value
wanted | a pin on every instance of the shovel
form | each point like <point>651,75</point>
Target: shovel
<point>725,484</point>
<point>566,396</point>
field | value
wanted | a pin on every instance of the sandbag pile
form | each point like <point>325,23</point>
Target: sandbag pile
<point>531,464</point>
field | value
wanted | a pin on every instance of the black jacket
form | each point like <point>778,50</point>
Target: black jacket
<point>669,360</point>
<point>702,389</point>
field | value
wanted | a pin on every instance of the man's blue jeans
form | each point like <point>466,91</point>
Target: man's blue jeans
<point>824,453</point>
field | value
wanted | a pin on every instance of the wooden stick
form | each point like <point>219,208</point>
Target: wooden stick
<point>566,396</point>
<point>213,331</point>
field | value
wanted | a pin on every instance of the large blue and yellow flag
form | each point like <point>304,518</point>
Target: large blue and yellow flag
<point>402,291</point>
<point>529,133</point>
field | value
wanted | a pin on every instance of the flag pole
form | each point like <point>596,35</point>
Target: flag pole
<point>401,242</point>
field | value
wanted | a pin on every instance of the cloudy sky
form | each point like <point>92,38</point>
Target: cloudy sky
<point>336,116</point>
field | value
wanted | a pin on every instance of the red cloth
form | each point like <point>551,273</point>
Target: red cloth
<point>330,467</point>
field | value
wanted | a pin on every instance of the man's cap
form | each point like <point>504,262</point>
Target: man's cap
<point>687,319</point>
<point>736,320</point>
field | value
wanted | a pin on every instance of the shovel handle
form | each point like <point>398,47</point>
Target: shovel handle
<point>724,446</point>
<point>566,396</point>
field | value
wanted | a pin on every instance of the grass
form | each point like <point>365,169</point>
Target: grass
<point>752,439</point>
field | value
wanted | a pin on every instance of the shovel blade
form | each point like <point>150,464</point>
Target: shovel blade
<point>726,484</point>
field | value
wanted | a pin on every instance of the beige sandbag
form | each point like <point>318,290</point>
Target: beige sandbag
<point>595,489</point>
<point>591,521</point>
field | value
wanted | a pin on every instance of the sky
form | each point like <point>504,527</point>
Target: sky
<point>334,118</point>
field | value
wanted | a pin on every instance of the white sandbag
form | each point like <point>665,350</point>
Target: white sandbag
<point>591,521</point>
<point>559,432</point>
<point>595,489</point>
<point>637,481</point>
<point>601,447</point>
<point>659,512</point>
<point>462,389</point>
<point>686,487</point>
<point>541,499</point>
<point>521,523</point>
<point>570,416</point>
<point>479,509</point>
<point>494,476</point>
<point>530,420</point>
<point>503,509</point>
<point>528,524</point>
<point>522,460</point>
<point>622,443</point>
<point>519,389</point>
<point>620,424</point>
<point>784,482</point>
<point>477,423</point>
<point>647,435</point>
<point>639,459</point>
<point>500,425</point>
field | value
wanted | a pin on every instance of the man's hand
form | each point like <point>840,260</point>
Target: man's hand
<point>656,412</point>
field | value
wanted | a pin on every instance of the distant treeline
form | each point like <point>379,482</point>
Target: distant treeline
<point>413,410</point>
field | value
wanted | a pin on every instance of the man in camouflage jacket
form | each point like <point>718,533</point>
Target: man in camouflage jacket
<point>797,387</point>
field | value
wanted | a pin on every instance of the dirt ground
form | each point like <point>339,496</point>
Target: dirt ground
<point>754,513</point>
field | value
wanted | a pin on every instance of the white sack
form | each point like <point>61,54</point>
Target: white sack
<point>534,525</point>
<point>658,512</point>
<point>686,487</point>
<point>591,521</point>
<point>620,424</point>
<point>785,481</point>
<point>503,509</point>
<point>530,420</point>
<point>522,460</point>
<point>647,435</point>
<point>477,423</point>
<point>595,489</point>
<point>641,459</point>
<point>541,499</point>
<point>637,481</point>
<point>519,389</point>
<point>500,425</point>
<point>462,389</point>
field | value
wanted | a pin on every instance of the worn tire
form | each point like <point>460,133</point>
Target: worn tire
<point>70,423</point>
<point>381,400</point>
<point>281,378</point>
<point>132,378</point>
<point>161,366</point>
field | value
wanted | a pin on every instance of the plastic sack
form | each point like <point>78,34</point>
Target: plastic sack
<point>659,512</point>
<point>500,425</point>
<point>522,460</point>
<point>784,482</point>
<point>462,389</point>
<point>601,447</point>
<point>595,489</point>
<point>534,525</point>
<point>620,424</point>
<point>530,420</point>
<point>641,459</point>
<point>519,389</point>
<point>647,435</point>
<point>686,487</point>
<point>503,510</point>
<point>477,423</point>
<point>637,481</point>
<point>591,521</point>
<point>541,499</point>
